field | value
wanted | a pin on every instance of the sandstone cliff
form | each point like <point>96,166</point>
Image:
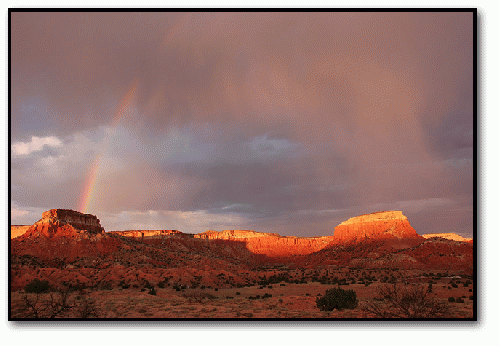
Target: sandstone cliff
<point>18,230</point>
<point>149,234</point>
<point>379,225</point>
<point>448,236</point>
<point>269,244</point>
<point>64,222</point>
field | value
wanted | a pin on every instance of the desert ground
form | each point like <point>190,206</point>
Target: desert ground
<point>280,300</point>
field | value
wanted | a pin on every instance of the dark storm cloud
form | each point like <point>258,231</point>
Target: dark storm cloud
<point>275,116</point>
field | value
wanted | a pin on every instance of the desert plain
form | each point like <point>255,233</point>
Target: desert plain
<point>67,266</point>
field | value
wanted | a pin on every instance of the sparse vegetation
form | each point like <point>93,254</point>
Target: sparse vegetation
<point>59,303</point>
<point>37,286</point>
<point>404,301</point>
<point>337,298</point>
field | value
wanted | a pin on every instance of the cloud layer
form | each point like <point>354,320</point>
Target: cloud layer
<point>272,116</point>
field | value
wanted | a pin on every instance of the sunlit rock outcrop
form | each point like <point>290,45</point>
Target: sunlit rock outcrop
<point>64,222</point>
<point>149,234</point>
<point>18,230</point>
<point>270,244</point>
<point>379,225</point>
<point>448,236</point>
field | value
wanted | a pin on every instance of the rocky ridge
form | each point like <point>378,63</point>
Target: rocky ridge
<point>448,236</point>
<point>56,251</point>
<point>149,234</point>
<point>270,244</point>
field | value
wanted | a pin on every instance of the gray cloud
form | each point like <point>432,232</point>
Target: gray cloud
<point>263,114</point>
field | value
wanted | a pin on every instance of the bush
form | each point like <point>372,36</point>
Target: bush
<point>337,298</point>
<point>451,299</point>
<point>396,301</point>
<point>37,286</point>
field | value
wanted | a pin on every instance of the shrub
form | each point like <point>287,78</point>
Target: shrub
<point>451,299</point>
<point>337,298</point>
<point>37,286</point>
<point>396,301</point>
<point>152,291</point>
<point>459,300</point>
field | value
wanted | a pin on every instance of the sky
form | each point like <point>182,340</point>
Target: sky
<point>276,122</point>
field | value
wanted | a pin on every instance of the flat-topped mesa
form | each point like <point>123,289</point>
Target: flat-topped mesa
<point>149,234</point>
<point>379,225</point>
<point>269,244</point>
<point>65,222</point>
<point>80,221</point>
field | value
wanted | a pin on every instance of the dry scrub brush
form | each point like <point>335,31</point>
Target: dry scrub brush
<point>197,296</point>
<point>403,301</point>
<point>61,303</point>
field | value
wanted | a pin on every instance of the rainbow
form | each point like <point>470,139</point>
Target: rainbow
<point>92,177</point>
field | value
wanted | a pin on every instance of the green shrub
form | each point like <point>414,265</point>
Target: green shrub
<point>337,298</point>
<point>451,299</point>
<point>37,286</point>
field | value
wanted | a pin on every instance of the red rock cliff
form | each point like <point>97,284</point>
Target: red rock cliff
<point>270,244</point>
<point>18,230</point>
<point>380,225</point>
<point>149,234</point>
<point>64,222</point>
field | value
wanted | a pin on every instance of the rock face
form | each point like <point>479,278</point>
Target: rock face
<point>380,225</point>
<point>65,222</point>
<point>448,236</point>
<point>269,244</point>
<point>18,230</point>
<point>149,234</point>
